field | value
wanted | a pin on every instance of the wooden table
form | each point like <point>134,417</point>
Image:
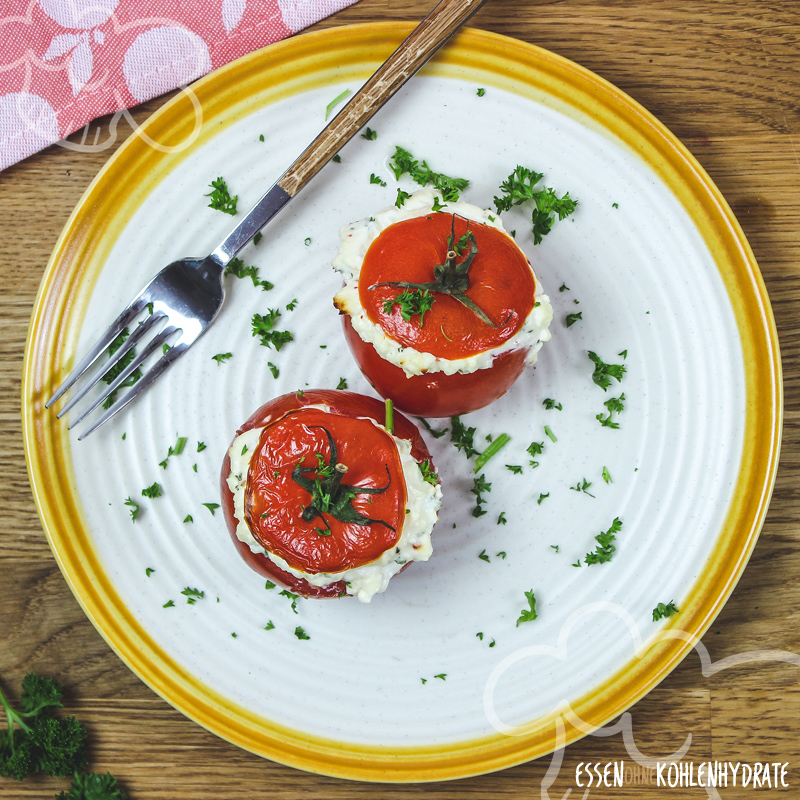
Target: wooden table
<point>725,78</point>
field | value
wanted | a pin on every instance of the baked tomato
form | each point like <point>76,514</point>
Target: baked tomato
<point>321,497</point>
<point>443,311</point>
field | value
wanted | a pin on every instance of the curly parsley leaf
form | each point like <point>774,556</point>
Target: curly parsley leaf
<point>528,614</point>
<point>664,610</point>
<point>603,373</point>
<point>462,437</point>
<point>263,327</point>
<point>412,303</point>
<point>221,199</point>
<point>520,187</point>
<point>403,163</point>
<point>605,544</point>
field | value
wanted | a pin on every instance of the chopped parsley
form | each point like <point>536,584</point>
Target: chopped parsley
<point>528,614</point>
<point>501,520</point>
<point>134,506</point>
<point>412,302</point>
<point>550,435</point>
<point>462,437</point>
<point>563,288</point>
<point>603,373</point>
<point>370,135</point>
<point>342,383</point>
<point>298,631</point>
<point>501,441</point>
<point>221,358</point>
<point>152,491</point>
<point>582,487</point>
<point>376,179</point>
<point>192,595</point>
<point>291,597</point>
<point>201,446</point>
<point>270,626</point>
<point>662,611</point>
<point>169,604</point>
<point>571,319</point>
<point>437,204</point>
<point>428,474</point>
<point>479,486</point>
<point>481,92</point>
<point>554,547</point>
<point>188,518</point>
<point>550,404</point>
<point>337,158</point>
<point>273,369</point>
<point>403,163</point>
<point>401,198</point>
<point>212,507</point>
<point>519,188</point>
<point>174,451</point>
<point>149,571</point>
<point>257,238</point>
<point>112,374</point>
<point>514,468</point>
<point>542,496</point>
<point>221,199</point>
<point>605,544</point>
<point>441,676</point>
<point>269,585</point>
<point>482,555</point>
<point>436,434</point>
<point>534,449</point>
<point>291,306</point>
<point>607,475</point>
<point>263,325</point>
<point>615,405</point>
<point>237,268</point>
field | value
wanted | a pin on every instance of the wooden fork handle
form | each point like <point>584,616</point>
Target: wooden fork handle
<point>442,22</point>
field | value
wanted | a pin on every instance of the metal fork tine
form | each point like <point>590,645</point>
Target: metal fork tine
<point>130,342</point>
<point>138,387</point>
<point>146,351</point>
<point>102,344</point>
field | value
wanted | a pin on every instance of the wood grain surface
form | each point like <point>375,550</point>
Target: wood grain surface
<point>725,78</point>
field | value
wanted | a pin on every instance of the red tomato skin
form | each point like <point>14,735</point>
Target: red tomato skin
<point>434,394</point>
<point>340,402</point>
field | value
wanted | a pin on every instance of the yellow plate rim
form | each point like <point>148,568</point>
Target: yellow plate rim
<point>337,54</point>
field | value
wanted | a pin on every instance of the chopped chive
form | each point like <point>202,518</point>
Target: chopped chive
<point>500,442</point>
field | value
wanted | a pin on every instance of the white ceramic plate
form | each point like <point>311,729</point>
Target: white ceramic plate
<point>434,678</point>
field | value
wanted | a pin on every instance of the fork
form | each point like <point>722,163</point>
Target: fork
<point>186,296</point>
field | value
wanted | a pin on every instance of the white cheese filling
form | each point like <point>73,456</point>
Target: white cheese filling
<point>422,511</point>
<point>355,240</point>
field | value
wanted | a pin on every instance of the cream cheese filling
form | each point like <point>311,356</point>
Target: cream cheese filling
<point>423,501</point>
<point>355,240</point>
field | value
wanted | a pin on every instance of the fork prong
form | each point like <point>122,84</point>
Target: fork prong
<point>102,344</point>
<point>138,387</point>
<point>118,355</point>
<point>145,352</point>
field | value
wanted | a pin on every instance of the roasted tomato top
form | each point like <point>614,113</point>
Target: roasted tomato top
<point>501,285</point>
<point>291,440</point>
<point>325,492</point>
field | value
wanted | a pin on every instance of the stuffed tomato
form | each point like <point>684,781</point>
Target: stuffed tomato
<point>320,496</point>
<point>441,308</point>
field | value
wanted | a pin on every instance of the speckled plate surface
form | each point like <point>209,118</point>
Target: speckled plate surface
<point>433,679</point>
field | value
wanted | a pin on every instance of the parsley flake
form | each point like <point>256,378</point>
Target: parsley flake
<point>221,199</point>
<point>528,614</point>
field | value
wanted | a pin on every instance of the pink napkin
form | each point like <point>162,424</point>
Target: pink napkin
<point>65,62</point>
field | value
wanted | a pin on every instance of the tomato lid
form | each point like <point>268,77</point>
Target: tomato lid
<point>500,283</point>
<point>291,506</point>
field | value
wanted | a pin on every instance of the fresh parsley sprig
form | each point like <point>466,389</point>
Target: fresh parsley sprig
<point>520,187</point>
<point>603,373</point>
<point>605,544</point>
<point>221,199</point>
<point>403,163</point>
<point>412,302</point>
